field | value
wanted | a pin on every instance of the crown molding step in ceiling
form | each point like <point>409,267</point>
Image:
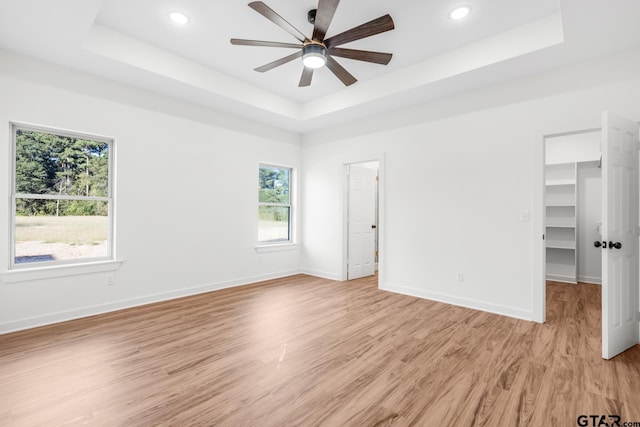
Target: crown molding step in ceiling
<point>182,49</point>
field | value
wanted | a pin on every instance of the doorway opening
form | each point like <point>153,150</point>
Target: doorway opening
<point>572,223</point>
<point>573,205</point>
<point>362,220</point>
<point>568,227</point>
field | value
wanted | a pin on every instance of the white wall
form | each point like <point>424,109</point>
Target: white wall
<point>449,208</point>
<point>186,193</point>
<point>456,180</point>
<point>578,147</point>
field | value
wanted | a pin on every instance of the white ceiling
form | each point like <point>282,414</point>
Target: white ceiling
<point>134,42</point>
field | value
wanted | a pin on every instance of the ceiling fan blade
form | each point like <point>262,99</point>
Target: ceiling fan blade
<point>337,69</point>
<point>272,16</point>
<point>305,79</point>
<point>278,62</point>
<point>368,29</point>
<point>324,16</point>
<point>243,42</point>
<point>362,55</point>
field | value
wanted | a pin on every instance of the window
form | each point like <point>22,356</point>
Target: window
<point>274,204</point>
<point>61,198</point>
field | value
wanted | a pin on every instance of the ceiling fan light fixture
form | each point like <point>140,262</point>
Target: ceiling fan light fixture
<point>460,12</point>
<point>179,18</point>
<point>314,55</point>
<point>318,50</point>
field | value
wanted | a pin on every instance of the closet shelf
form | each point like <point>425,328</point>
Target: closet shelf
<point>560,232</point>
<point>560,205</point>
<point>558,182</point>
<point>556,244</point>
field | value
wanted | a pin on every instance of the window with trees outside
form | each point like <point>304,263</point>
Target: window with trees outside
<point>62,198</point>
<point>274,204</point>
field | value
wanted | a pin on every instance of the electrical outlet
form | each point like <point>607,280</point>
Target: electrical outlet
<point>111,280</point>
<point>460,276</point>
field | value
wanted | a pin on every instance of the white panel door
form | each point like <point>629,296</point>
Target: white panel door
<point>620,232</point>
<point>361,247</point>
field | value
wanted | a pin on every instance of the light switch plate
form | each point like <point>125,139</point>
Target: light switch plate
<point>524,216</point>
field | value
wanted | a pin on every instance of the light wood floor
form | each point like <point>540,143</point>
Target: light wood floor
<point>308,351</point>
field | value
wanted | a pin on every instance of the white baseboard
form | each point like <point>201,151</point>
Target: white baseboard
<point>561,278</point>
<point>590,279</point>
<point>322,274</point>
<point>63,316</point>
<point>462,302</point>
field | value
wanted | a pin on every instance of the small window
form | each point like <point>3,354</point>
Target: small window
<point>61,199</point>
<point>274,204</point>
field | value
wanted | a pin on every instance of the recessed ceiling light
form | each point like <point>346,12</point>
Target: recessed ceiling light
<point>459,12</point>
<point>179,18</point>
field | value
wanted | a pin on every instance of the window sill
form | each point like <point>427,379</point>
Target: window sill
<point>276,247</point>
<point>40,273</point>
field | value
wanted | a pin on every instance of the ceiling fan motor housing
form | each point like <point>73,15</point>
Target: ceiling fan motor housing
<point>314,55</point>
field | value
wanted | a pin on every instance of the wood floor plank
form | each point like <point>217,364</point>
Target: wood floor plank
<point>304,351</point>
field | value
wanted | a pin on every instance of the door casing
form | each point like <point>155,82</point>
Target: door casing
<point>539,293</point>
<point>538,226</point>
<point>373,157</point>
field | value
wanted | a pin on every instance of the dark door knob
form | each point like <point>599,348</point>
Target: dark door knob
<point>597,243</point>
<point>616,245</point>
<point>374,226</point>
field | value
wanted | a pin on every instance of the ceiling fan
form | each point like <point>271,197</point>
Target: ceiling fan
<point>318,51</point>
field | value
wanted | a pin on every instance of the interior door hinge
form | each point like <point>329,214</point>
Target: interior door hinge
<point>377,178</point>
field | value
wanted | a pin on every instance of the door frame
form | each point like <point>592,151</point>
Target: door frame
<point>539,289</point>
<point>373,157</point>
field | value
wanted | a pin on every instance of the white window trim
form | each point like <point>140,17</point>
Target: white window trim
<point>58,270</point>
<point>290,244</point>
<point>42,270</point>
<point>276,247</point>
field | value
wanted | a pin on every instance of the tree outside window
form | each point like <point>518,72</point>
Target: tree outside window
<point>61,197</point>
